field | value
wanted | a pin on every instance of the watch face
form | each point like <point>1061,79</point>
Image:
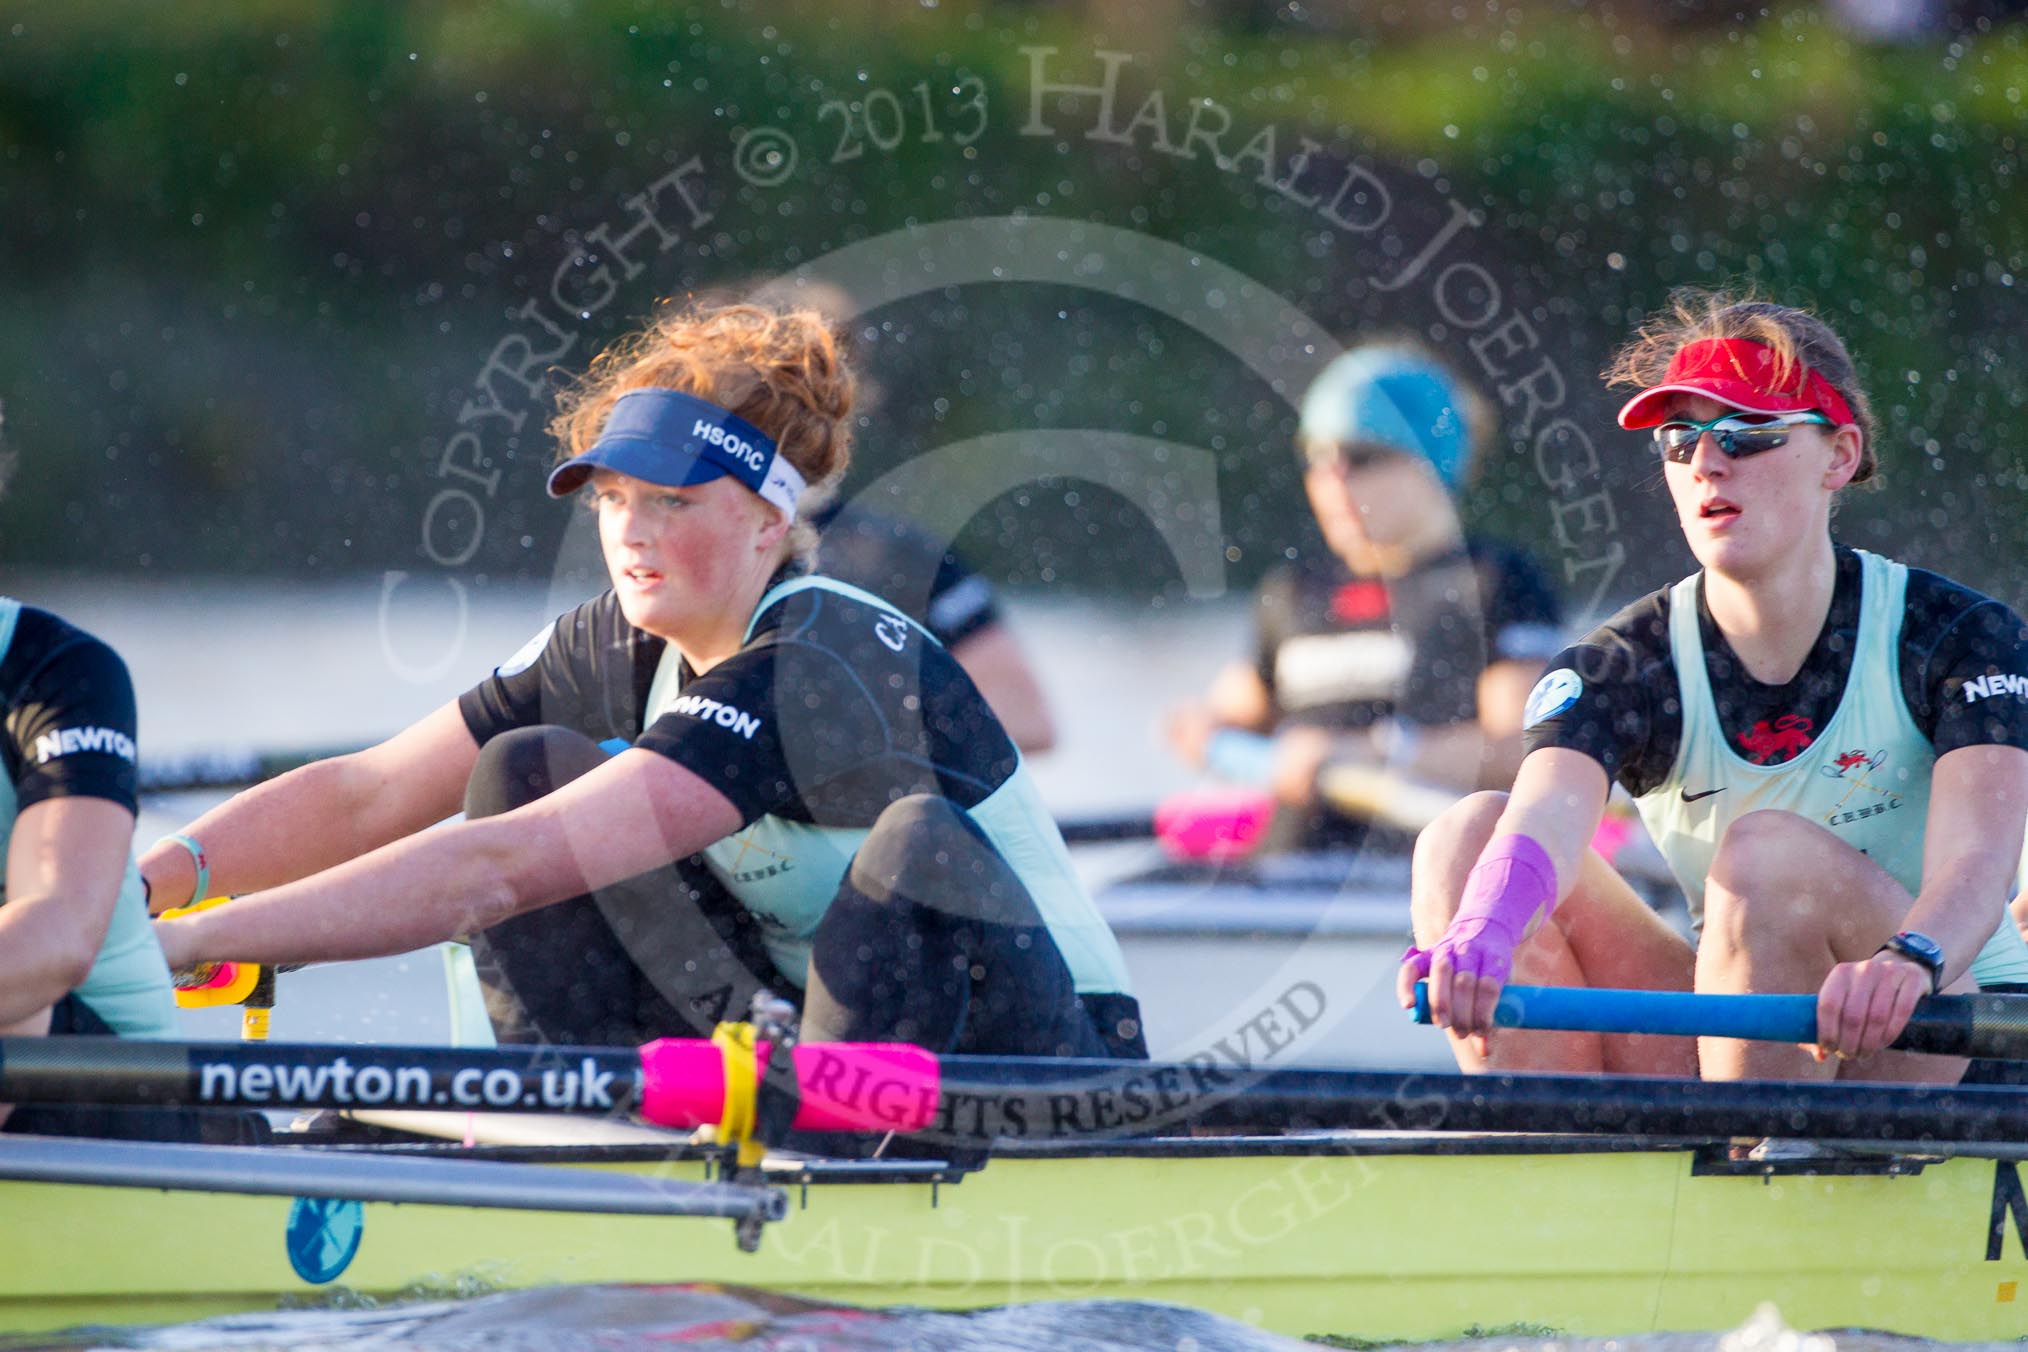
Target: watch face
<point>1923,949</point>
<point>1920,947</point>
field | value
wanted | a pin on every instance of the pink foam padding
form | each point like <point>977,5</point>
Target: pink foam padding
<point>682,1082</point>
<point>1216,824</point>
<point>221,976</point>
<point>1612,834</point>
<point>867,1086</point>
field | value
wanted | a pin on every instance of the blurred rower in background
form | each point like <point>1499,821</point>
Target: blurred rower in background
<point>906,565</point>
<point>865,541</point>
<point>1410,645</point>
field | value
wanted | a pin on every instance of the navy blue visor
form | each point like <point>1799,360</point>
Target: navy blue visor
<point>675,439</point>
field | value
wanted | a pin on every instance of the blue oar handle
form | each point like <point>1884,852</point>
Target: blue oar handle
<point>1762,1018</point>
<point>1944,1025</point>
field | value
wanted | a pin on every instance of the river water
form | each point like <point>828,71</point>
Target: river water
<point>234,666</point>
<point>720,1319</point>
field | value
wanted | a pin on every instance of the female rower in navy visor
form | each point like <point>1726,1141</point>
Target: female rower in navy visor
<point>723,773</point>
<point>1808,731</point>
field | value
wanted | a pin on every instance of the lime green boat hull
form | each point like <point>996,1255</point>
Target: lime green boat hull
<point>1380,1243</point>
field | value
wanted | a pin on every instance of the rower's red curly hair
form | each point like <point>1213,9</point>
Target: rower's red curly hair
<point>782,370</point>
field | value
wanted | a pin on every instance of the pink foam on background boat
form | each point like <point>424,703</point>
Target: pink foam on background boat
<point>1612,834</point>
<point>1215,824</point>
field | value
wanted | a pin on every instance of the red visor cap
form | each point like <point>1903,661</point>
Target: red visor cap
<point>1739,372</point>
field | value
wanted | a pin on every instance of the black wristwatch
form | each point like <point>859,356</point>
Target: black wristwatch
<point>1919,948</point>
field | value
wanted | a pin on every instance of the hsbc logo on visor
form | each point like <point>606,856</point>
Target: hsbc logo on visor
<point>736,446</point>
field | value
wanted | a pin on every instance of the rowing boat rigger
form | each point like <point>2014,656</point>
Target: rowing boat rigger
<point>1386,1205</point>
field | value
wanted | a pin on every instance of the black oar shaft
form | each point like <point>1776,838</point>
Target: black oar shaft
<point>1969,1025</point>
<point>130,1071</point>
<point>1042,1099</point>
<point>982,1099</point>
<point>1102,830</point>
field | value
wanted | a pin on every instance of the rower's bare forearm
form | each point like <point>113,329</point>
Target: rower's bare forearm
<point>1962,907</point>
<point>41,965</point>
<point>66,860</point>
<point>1240,699</point>
<point>417,891</point>
<point>299,824</point>
<point>634,813</point>
<point>1557,800</point>
<point>1971,850</point>
<point>310,819</point>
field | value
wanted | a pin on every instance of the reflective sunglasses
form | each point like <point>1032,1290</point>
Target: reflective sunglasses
<point>1737,434</point>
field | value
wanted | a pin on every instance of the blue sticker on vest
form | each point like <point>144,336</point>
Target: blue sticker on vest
<point>1554,693</point>
<point>525,656</point>
<point>323,1236</point>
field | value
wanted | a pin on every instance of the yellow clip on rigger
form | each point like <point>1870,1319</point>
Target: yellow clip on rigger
<point>742,1078</point>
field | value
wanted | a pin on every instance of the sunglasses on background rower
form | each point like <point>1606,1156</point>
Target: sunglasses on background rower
<point>1737,434</point>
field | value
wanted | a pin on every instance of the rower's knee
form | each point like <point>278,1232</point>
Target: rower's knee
<point>518,767</point>
<point>927,850</point>
<point>1763,861</point>
<point>1767,844</point>
<point>898,854</point>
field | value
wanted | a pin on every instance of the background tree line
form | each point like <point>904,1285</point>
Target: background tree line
<point>253,257</point>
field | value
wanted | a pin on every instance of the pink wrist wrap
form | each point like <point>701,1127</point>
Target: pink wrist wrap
<point>1510,884</point>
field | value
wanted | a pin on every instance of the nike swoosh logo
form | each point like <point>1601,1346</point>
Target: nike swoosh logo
<point>1690,797</point>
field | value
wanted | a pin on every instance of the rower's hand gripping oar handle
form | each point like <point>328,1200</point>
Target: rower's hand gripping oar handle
<point>1943,1025</point>
<point>1583,1009</point>
<point>218,983</point>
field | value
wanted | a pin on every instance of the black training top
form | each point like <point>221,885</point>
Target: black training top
<point>70,733</point>
<point>1339,651</point>
<point>835,707</point>
<point>1629,717</point>
<point>830,711</point>
<point>903,564</point>
<point>70,715</point>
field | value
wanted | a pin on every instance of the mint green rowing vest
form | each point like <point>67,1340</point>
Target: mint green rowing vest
<point>787,872</point>
<point>128,986</point>
<point>1865,777</point>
